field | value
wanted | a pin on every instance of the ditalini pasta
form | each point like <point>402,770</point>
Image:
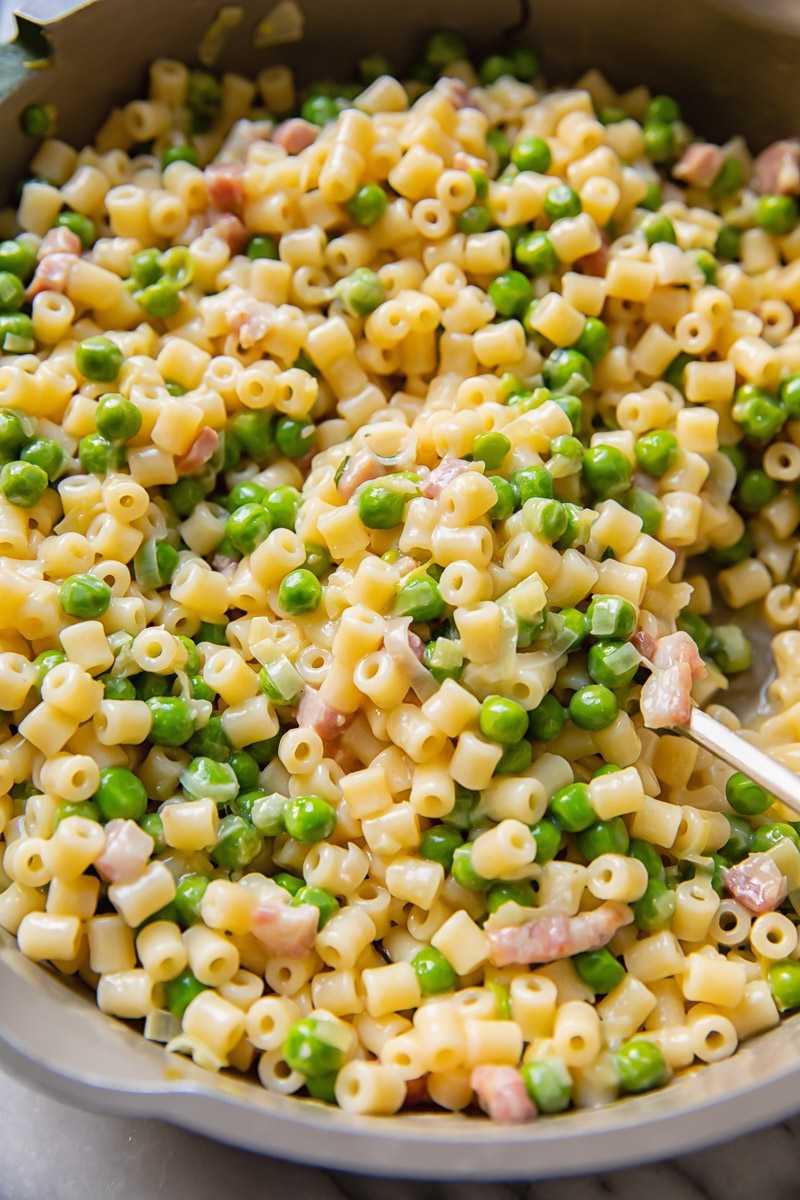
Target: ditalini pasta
<point>358,445</point>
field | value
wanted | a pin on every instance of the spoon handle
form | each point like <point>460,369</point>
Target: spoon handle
<point>712,735</point>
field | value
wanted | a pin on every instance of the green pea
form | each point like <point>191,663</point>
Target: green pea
<point>662,108</point>
<point>476,218</point>
<point>699,630</point>
<point>75,808</point>
<point>45,454</point>
<point>654,910</point>
<point>367,205</point>
<point>98,359</point>
<point>502,720</point>
<point>16,333</point>
<point>152,824</point>
<point>767,836</point>
<point>205,777</point>
<point>515,759</point>
<point>83,227</point>
<point>245,768</point>
<point>380,506</point>
<point>656,451</point>
<point>247,527</point>
<point>572,809</point>
<point>510,293</point>
<point>730,649</point>
<point>546,721</point>
<point>360,292</point>
<point>45,662</point>
<point>444,48</point>
<point>120,794</point>
<point>117,419</point>
<point>23,483</point>
<point>579,526</point>
<point>84,596</point>
<point>320,110</point>
<point>567,371</point>
<point>640,1066</point>
<point>604,837</point>
<point>318,560</point>
<point>497,141</point>
<point>255,430</point>
<point>595,340</point>
<point>728,556</point>
<point>172,723</point>
<point>561,201</point>
<point>203,92</point>
<point>659,141</point>
<point>658,228</point>
<point>612,114</point>
<point>531,154</point>
<point>299,592</point>
<point>649,856</point>
<point>262,246</point>
<point>758,414</point>
<point>532,483</point>
<point>729,178</point>
<point>289,883</point>
<point>180,991</point>
<point>520,892</point>
<point>12,293</point>
<point>545,519</point>
<point>19,257</point>
<point>647,507</point>
<point>653,198</point>
<point>314,1047</point>
<point>434,972</point>
<point>593,707</point>
<point>790,395</point>
<point>184,496</point>
<point>463,814</point>
<point>237,844</point>
<point>729,243</point>
<point>148,684</point>
<point>464,873</point>
<point>524,62</point>
<point>97,455</point>
<point>265,750</point>
<point>745,796</point>
<point>536,254</point>
<point>491,449</point>
<point>784,980</point>
<point>283,505</point>
<point>707,264</point>
<point>606,471</point>
<point>419,599</point>
<point>776,214</point>
<point>507,498</point>
<point>439,844</point>
<point>267,813</point>
<point>599,970</point>
<point>613,664</point>
<point>549,1084</point>
<point>309,819</point>
<point>495,67</point>
<point>318,898</point>
<point>189,894</point>
<point>160,300</point>
<point>611,617</point>
<point>548,839</point>
<point>145,267</point>
<point>740,842</point>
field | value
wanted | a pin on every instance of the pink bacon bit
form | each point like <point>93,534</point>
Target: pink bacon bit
<point>447,470</point>
<point>200,451</point>
<point>595,263</point>
<point>469,162</point>
<point>360,468</point>
<point>58,241</point>
<point>757,883</point>
<point>699,165</point>
<point>502,1094</point>
<point>225,184</point>
<point>295,135</point>
<point>125,853</point>
<point>250,320</point>
<point>678,648</point>
<point>457,92</point>
<point>645,644</point>
<point>52,274</point>
<point>666,697</point>
<point>312,711</point>
<point>546,939</point>
<point>777,169</point>
<point>232,231</point>
<point>416,1092</point>
<point>283,930</point>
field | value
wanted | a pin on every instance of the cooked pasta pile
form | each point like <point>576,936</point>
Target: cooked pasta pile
<point>357,447</point>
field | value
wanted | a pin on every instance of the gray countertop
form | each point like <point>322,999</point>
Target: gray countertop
<point>50,1151</point>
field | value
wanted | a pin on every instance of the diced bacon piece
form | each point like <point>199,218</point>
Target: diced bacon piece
<point>777,169</point>
<point>312,711</point>
<point>226,566</point>
<point>58,241</point>
<point>678,648</point>
<point>295,135</point>
<point>546,939</point>
<point>125,853</point>
<point>243,135</point>
<point>469,162</point>
<point>359,468</point>
<point>416,1092</point>
<point>757,883</point>
<point>447,470</point>
<point>52,274</point>
<point>700,164</point>
<point>666,698</point>
<point>200,451</point>
<point>502,1094</point>
<point>345,758</point>
<point>250,320</point>
<point>231,230</point>
<point>645,644</point>
<point>416,644</point>
<point>457,92</point>
<point>225,184</point>
<point>595,263</point>
<point>285,930</point>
